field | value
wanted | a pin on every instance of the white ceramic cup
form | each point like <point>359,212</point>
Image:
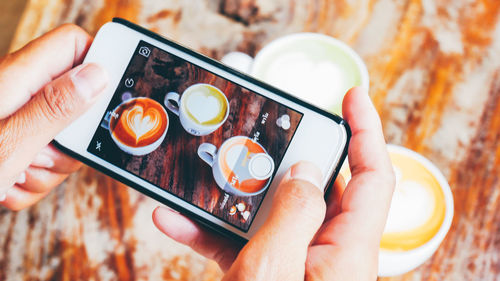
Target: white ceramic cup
<point>179,109</point>
<point>397,262</point>
<point>316,68</point>
<point>258,166</point>
<point>138,151</point>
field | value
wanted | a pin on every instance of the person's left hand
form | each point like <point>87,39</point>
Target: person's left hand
<point>43,88</point>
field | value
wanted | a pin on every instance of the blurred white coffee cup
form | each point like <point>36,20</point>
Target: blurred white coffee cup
<point>314,67</point>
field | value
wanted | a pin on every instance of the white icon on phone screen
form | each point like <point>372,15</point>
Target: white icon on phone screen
<point>129,83</point>
<point>284,122</point>
<point>144,51</point>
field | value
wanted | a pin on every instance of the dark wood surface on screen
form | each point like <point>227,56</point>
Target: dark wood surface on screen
<point>175,165</point>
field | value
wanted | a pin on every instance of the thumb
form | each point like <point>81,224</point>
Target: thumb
<point>33,126</point>
<point>278,251</point>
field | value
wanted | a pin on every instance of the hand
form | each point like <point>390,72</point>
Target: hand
<point>41,93</point>
<point>304,238</point>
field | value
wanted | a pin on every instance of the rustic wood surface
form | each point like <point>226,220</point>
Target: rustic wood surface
<point>435,79</point>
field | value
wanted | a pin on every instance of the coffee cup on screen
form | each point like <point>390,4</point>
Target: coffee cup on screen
<point>313,67</point>
<point>241,166</point>
<point>138,125</point>
<point>202,108</point>
<point>420,215</point>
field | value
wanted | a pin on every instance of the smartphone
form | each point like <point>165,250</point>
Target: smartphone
<point>196,135</point>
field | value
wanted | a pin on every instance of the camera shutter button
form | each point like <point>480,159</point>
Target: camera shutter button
<point>261,166</point>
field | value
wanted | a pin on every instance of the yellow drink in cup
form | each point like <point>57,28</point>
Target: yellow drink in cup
<point>420,215</point>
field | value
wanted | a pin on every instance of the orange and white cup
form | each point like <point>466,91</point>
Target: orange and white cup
<point>138,125</point>
<point>240,167</point>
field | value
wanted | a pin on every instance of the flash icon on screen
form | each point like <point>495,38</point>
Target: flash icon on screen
<point>284,122</point>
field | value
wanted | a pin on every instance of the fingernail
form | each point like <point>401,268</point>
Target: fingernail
<point>89,81</point>
<point>43,160</point>
<point>22,178</point>
<point>307,171</point>
<point>3,196</point>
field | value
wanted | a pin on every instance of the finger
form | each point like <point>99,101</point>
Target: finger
<point>203,241</point>
<point>367,197</point>
<point>372,182</point>
<point>52,159</point>
<point>25,71</point>
<point>334,200</point>
<point>32,127</point>
<point>40,180</point>
<point>367,148</point>
<point>279,248</point>
<point>18,198</point>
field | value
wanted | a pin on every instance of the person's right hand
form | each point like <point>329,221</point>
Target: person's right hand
<point>304,238</point>
<point>43,88</point>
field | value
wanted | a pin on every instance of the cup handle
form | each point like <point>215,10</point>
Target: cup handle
<point>207,152</point>
<point>105,121</point>
<point>169,99</point>
<point>239,61</point>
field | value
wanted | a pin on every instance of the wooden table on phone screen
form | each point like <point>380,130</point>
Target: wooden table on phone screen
<point>435,79</point>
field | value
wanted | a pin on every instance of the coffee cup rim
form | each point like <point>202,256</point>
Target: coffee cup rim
<point>412,258</point>
<point>278,42</point>
<point>218,90</point>
<point>138,149</point>
<point>242,193</point>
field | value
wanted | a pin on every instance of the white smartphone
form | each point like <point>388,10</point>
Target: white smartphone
<point>196,135</point>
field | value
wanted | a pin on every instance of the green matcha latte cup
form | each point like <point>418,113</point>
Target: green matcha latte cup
<point>313,67</point>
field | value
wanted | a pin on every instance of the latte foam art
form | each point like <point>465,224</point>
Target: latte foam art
<point>417,208</point>
<point>203,107</point>
<point>412,206</point>
<point>322,82</point>
<point>140,122</point>
<point>418,205</point>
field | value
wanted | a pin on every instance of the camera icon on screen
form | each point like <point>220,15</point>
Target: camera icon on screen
<point>145,52</point>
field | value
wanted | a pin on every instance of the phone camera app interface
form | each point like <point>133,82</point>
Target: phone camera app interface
<point>202,138</point>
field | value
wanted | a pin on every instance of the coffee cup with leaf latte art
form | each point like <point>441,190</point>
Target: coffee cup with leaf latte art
<point>138,125</point>
<point>420,215</point>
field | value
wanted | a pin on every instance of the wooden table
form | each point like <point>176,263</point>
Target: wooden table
<point>435,79</point>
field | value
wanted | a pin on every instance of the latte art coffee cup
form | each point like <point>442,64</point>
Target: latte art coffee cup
<point>202,108</point>
<point>420,215</point>
<point>312,66</point>
<point>138,125</point>
<point>240,166</point>
<point>418,207</point>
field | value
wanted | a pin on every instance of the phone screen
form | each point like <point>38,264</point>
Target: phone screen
<point>197,135</point>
